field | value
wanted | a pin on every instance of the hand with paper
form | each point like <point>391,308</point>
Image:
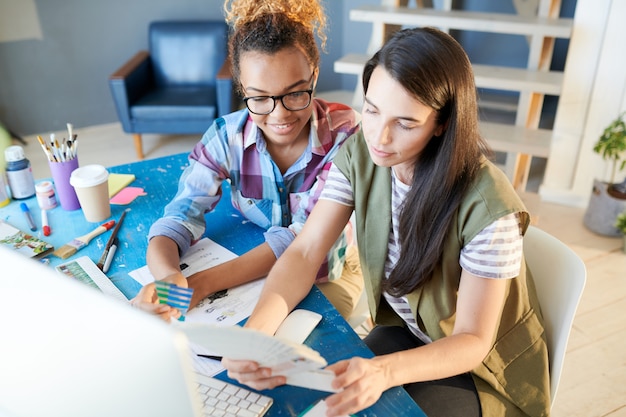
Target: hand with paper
<point>293,363</point>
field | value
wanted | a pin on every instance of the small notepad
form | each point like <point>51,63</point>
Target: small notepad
<point>117,182</point>
<point>127,195</point>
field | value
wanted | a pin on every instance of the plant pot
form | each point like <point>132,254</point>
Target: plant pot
<point>603,209</point>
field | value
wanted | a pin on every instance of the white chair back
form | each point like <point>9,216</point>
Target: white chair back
<point>560,277</point>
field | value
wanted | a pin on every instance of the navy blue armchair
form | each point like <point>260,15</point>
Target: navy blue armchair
<point>180,85</point>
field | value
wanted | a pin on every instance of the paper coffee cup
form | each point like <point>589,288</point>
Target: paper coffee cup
<point>91,183</point>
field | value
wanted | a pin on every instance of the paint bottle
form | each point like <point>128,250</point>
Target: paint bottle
<point>4,196</point>
<point>19,173</point>
<point>45,195</point>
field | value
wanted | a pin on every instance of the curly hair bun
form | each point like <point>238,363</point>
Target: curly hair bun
<point>308,13</point>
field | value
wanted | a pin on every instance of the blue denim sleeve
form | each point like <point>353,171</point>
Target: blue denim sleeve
<point>174,230</point>
<point>278,238</point>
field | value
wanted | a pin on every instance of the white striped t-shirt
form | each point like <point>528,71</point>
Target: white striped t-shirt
<point>496,252</point>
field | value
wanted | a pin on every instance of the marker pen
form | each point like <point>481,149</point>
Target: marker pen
<point>110,255</point>
<point>29,217</point>
<point>44,223</point>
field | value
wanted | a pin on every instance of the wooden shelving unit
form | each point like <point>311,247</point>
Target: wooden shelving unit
<point>522,139</point>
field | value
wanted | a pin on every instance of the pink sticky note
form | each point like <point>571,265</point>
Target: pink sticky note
<point>127,195</point>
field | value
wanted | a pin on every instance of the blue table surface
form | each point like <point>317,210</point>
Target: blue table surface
<point>333,337</point>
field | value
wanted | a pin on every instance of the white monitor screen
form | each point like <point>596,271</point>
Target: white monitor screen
<point>67,349</point>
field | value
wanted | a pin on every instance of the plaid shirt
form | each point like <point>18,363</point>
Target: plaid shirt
<point>234,149</point>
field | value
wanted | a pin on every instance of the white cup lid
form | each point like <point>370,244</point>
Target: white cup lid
<point>88,176</point>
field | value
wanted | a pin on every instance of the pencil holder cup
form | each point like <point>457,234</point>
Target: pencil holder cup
<point>61,172</point>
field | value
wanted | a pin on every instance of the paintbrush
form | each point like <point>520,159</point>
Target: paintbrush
<point>78,243</point>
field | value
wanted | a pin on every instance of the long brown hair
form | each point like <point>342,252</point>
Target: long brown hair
<point>434,69</point>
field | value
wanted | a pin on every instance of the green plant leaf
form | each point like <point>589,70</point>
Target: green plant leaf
<point>611,145</point>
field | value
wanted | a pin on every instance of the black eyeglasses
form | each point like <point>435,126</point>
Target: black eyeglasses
<point>294,101</point>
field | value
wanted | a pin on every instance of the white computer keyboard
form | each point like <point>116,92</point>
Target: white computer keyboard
<point>223,399</point>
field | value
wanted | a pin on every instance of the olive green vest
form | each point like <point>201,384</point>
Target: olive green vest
<point>513,379</point>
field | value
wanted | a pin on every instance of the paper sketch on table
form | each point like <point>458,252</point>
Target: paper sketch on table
<point>226,307</point>
<point>204,366</point>
<point>203,255</point>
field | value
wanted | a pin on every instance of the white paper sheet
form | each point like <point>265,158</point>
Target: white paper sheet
<point>224,308</point>
<point>85,270</point>
<point>317,410</point>
<point>203,255</point>
<point>299,363</point>
<point>204,366</point>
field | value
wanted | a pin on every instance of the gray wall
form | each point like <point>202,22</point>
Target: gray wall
<point>63,77</point>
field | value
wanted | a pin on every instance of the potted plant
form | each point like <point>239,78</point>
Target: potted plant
<point>612,147</point>
<point>609,198</point>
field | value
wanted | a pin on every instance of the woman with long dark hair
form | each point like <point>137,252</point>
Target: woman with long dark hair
<point>439,231</point>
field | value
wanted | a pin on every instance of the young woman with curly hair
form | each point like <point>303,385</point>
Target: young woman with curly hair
<point>275,153</point>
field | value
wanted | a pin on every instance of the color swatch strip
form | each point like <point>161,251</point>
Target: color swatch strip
<point>174,296</point>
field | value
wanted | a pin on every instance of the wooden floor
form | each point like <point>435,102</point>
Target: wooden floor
<point>594,376</point>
